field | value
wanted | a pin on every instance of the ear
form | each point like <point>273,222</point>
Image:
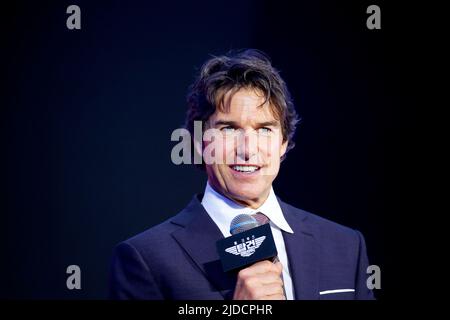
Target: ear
<point>283,148</point>
<point>198,146</point>
<point>198,143</point>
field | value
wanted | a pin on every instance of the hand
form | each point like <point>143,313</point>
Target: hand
<point>260,281</point>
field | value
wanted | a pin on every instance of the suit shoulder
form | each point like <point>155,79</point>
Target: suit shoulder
<point>151,237</point>
<point>160,235</point>
<point>336,240</point>
<point>326,226</point>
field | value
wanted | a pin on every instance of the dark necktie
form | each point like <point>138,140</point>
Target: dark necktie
<point>263,219</point>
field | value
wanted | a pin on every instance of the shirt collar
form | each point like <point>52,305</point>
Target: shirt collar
<point>222,210</point>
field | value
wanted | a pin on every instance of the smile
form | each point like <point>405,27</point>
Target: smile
<point>245,168</point>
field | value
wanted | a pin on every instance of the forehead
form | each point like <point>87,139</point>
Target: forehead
<point>245,105</point>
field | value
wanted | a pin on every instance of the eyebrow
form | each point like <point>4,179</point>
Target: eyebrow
<point>272,123</point>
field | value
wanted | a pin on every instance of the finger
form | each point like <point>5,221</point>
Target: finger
<point>259,268</point>
<point>274,297</point>
<point>268,278</point>
<point>261,291</point>
<point>273,289</point>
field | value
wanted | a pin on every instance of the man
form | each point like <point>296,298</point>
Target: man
<point>243,102</point>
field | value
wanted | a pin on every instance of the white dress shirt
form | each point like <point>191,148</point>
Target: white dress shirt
<point>222,210</point>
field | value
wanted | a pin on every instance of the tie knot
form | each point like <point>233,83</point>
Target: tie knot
<point>261,218</point>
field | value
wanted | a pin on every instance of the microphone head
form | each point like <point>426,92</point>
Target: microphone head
<point>242,222</point>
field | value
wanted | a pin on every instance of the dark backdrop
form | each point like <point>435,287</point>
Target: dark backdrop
<point>86,119</point>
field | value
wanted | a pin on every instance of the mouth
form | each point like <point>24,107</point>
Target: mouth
<point>245,169</point>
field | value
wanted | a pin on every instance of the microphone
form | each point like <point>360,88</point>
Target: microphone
<point>244,222</point>
<point>250,242</point>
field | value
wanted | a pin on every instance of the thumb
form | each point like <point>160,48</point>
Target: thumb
<point>279,266</point>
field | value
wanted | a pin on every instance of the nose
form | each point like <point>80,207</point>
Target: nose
<point>247,146</point>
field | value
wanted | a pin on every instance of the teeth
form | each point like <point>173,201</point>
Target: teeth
<point>245,168</point>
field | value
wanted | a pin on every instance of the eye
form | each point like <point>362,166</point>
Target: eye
<point>264,130</point>
<point>227,129</point>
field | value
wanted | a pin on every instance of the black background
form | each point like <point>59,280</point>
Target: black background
<point>86,119</point>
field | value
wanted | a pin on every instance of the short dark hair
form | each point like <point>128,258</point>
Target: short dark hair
<point>248,68</point>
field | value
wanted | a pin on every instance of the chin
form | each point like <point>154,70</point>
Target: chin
<point>246,193</point>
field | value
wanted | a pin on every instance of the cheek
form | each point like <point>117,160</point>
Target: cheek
<point>228,147</point>
<point>215,148</point>
<point>270,147</point>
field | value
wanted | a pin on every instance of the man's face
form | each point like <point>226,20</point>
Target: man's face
<point>251,141</point>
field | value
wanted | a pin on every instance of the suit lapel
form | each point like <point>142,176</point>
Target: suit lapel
<point>198,238</point>
<point>302,249</point>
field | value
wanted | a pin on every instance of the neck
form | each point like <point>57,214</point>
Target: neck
<point>250,203</point>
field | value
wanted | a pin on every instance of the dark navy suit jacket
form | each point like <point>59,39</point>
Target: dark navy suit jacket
<point>177,259</point>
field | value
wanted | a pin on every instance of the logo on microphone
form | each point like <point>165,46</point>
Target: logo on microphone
<point>247,247</point>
